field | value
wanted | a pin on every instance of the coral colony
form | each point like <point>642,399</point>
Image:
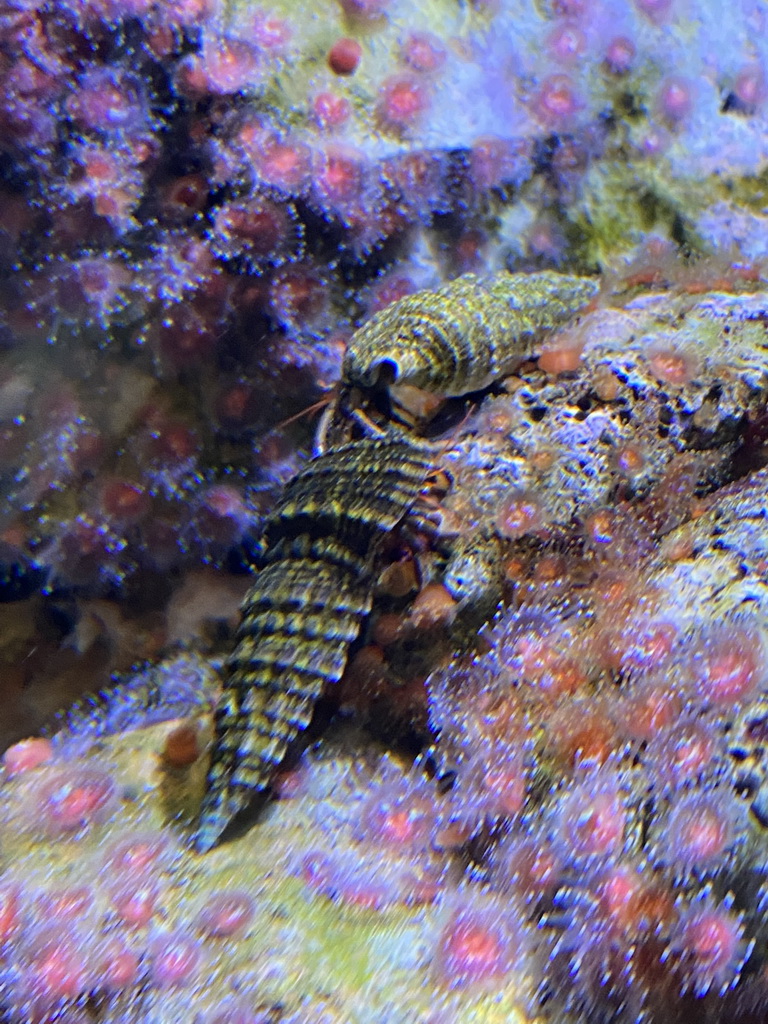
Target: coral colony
<point>539,792</point>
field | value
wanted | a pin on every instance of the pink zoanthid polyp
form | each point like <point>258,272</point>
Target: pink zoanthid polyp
<point>590,817</point>
<point>71,799</point>
<point>226,913</point>
<point>722,664</point>
<point>482,941</point>
<point>707,946</point>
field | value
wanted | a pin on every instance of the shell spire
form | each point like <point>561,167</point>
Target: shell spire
<point>307,605</point>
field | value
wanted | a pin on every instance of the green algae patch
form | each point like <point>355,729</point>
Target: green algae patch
<point>622,201</point>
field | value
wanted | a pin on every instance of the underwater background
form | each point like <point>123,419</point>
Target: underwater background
<point>538,790</point>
